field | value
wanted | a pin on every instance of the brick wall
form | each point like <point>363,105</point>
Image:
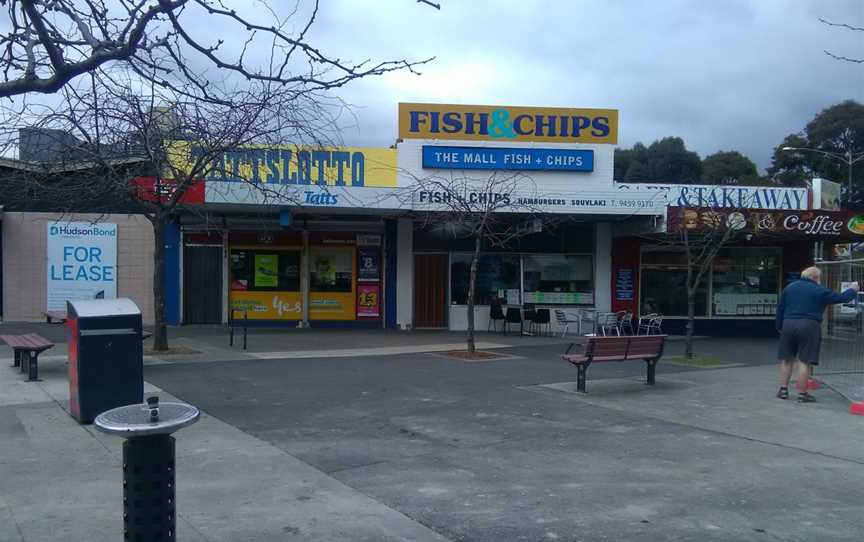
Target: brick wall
<point>24,261</point>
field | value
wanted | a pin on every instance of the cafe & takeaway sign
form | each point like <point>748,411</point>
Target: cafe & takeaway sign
<point>788,224</point>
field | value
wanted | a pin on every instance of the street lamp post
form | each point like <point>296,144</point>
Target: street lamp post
<point>847,158</point>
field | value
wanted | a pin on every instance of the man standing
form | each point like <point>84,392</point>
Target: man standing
<point>799,321</point>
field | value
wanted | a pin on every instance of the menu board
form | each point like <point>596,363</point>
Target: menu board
<point>624,285</point>
<point>745,304</point>
<point>560,298</point>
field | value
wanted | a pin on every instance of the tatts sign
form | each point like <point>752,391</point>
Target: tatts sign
<point>508,124</point>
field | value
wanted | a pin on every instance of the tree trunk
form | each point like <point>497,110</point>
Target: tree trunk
<point>691,322</point>
<point>160,331</point>
<point>472,280</point>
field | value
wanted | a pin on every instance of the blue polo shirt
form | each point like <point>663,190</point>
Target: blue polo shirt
<point>805,299</point>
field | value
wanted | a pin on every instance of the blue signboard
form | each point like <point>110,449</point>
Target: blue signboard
<point>624,285</point>
<point>525,159</point>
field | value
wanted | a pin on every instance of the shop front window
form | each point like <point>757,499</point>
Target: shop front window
<point>265,271</point>
<point>663,288</point>
<point>558,278</point>
<point>332,270</point>
<point>746,282</point>
<point>497,278</point>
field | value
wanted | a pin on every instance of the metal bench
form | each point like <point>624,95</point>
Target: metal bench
<point>55,317</point>
<point>647,348</point>
<point>26,349</point>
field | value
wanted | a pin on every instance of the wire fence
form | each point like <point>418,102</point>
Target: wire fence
<point>842,360</point>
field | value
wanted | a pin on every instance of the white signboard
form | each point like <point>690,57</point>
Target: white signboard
<point>410,198</point>
<point>724,196</point>
<point>82,262</point>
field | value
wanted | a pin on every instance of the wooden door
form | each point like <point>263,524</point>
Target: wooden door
<point>202,284</point>
<point>430,290</point>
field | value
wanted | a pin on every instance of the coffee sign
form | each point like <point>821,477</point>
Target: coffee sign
<point>798,224</point>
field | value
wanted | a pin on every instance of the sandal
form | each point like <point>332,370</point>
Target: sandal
<point>806,398</point>
<point>783,393</point>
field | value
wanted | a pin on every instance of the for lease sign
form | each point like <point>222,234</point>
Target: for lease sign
<point>82,262</point>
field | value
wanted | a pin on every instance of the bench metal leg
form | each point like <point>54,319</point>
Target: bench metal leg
<point>581,373</point>
<point>652,363</point>
<point>33,367</point>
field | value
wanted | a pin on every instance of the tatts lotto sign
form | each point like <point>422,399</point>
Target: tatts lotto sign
<point>507,123</point>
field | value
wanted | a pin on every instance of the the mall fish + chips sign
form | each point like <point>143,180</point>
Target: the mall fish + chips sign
<point>81,262</point>
<point>508,123</point>
<point>518,159</point>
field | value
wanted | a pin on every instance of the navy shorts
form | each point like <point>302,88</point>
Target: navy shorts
<point>800,339</point>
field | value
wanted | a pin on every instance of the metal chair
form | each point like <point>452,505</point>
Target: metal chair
<point>625,323</point>
<point>655,326</point>
<point>529,315</point>
<point>543,318</point>
<point>513,316</point>
<point>588,316</point>
<point>645,323</point>
<point>496,313</point>
<point>565,320</point>
<point>607,323</point>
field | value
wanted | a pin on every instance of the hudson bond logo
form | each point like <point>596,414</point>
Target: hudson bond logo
<point>479,122</point>
<point>78,231</point>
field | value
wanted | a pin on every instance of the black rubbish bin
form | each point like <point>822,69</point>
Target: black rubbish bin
<point>106,357</point>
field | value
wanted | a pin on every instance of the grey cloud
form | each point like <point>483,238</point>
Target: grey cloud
<point>722,75</point>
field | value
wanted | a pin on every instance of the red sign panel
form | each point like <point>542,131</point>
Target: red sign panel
<point>149,189</point>
<point>72,347</point>
<point>815,224</point>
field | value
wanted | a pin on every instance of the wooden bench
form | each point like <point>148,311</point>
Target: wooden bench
<point>55,317</point>
<point>26,349</point>
<point>648,348</point>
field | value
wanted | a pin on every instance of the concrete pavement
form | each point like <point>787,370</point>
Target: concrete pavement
<point>416,446</point>
<point>62,481</point>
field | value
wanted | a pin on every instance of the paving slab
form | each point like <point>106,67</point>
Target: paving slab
<point>738,402</point>
<point>505,450</point>
<point>62,481</point>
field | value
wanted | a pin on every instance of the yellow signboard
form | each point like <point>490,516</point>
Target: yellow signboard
<point>507,123</point>
<point>268,305</point>
<point>289,305</point>
<point>290,164</point>
<point>331,306</point>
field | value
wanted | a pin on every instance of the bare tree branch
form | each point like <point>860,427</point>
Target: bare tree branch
<point>847,27</point>
<point>46,44</point>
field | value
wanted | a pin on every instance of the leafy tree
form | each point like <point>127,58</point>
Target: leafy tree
<point>665,161</point>
<point>837,130</point>
<point>727,167</point>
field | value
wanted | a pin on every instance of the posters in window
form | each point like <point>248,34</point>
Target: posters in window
<point>266,270</point>
<point>624,285</point>
<point>368,300</point>
<point>369,265</point>
<point>81,262</point>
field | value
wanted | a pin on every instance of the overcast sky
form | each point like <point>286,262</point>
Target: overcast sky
<point>721,74</point>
